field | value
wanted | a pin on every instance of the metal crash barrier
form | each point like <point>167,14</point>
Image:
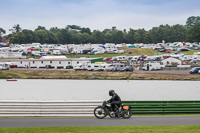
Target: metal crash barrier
<point>85,108</point>
<point>48,108</point>
<point>164,107</point>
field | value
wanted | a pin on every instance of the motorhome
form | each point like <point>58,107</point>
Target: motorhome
<point>150,66</point>
<point>118,66</point>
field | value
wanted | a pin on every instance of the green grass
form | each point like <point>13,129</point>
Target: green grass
<point>35,57</point>
<point>119,129</point>
<point>189,52</point>
<point>4,76</point>
<point>101,55</point>
<point>16,74</point>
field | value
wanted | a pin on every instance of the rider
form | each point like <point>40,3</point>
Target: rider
<point>115,100</point>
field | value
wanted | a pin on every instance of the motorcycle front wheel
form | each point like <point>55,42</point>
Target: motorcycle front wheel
<point>100,112</point>
<point>127,114</point>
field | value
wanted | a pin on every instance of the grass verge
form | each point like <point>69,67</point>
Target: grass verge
<point>120,129</point>
<point>64,74</point>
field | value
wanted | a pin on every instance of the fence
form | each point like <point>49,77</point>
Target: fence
<point>164,107</point>
<point>48,108</point>
<point>85,108</point>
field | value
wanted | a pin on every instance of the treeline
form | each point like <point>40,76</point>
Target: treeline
<point>77,35</point>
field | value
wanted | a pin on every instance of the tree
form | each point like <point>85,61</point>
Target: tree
<point>118,37</point>
<point>194,33</point>
<point>29,36</point>
<point>108,37</point>
<point>140,36</point>
<point>57,34</point>
<point>192,20</point>
<point>85,38</point>
<point>17,37</point>
<point>41,36</point>
<point>157,34</point>
<point>178,33</point>
<point>76,27</point>
<point>16,28</point>
<point>86,30</point>
<point>40,28</point>
<point>97,37</point>
<point>113,28</point>
<point>130,36</point>
<point>2,31</point>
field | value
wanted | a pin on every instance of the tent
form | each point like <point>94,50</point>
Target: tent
<point>37,47</point>
<point>131,46</point>
<point>32,48</point>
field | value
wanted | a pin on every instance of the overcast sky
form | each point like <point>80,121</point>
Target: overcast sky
<point>96,14</point>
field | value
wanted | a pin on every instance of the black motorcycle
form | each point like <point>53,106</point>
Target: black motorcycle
<point>123,111</point>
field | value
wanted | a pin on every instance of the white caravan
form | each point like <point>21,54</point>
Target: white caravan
<point>151,66</point>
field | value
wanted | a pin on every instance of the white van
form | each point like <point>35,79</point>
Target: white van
<point>151,66</point>
<point>80,67</point>
<point>106,67</point>
<point>93,67</point>
<point>4,66</point>
<point>56,52</point>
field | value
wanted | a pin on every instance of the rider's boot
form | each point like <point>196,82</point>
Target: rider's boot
<point>117,114</point>
<point>116,110</point>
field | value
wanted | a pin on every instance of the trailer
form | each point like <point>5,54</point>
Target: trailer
<point>150,66</point>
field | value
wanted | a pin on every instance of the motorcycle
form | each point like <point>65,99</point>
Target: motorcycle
<point>123,111</point>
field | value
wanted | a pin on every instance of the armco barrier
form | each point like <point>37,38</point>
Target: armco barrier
<point>85,108</point>
<point>164,107</point>
<point>48,108</point>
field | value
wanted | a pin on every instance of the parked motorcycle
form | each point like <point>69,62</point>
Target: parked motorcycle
<point>101,112</point>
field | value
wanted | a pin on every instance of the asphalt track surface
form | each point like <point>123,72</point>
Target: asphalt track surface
<point>92,121</point>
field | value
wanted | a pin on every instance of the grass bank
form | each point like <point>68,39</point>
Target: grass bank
<point>120,129</point>
<point>71,74</point>
<point>133,51</point>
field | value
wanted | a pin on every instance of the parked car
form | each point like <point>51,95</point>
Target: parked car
<point>90,53</point>
<point>127,68</point>
<point>108,59</point>
<point>162,50</point>
<point>194,70</point>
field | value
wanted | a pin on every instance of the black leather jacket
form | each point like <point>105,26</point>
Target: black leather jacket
<point>115,98</point>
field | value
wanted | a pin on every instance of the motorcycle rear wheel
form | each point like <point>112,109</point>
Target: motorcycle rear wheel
<point>100,112</point>
<point>127,114</point>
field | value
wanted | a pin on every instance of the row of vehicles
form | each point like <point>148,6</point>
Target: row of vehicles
<point>104,67</point>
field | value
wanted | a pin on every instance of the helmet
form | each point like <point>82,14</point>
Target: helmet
<point>111,92</point>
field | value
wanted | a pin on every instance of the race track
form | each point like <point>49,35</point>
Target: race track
<point>92,121</point>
